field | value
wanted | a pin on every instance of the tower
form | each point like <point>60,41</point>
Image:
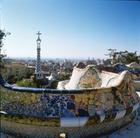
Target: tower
<point>38,71</point>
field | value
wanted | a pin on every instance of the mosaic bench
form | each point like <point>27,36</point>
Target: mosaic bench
<point>78,111</point>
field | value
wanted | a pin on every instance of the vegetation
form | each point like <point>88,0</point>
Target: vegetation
<point>32,82</point>
<point>2,35</point>
<point>41,83</point>
<point>125,57</point>
<point>16,72</point>
<point>64,76</point>
<point>26,83</point>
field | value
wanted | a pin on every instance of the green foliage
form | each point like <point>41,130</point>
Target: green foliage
<point>2,34</point>
<point>41,82</point>
<point>64,76</point>
<point>14,73</point>
<point>128,57</point>
<point>26,83</point>
<point>125,57</point>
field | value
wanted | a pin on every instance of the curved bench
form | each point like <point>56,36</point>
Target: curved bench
<point>81,112</point>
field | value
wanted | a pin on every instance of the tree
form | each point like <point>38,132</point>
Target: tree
<point>128,57</point>
<point>122,57</point>
<point>2,35</point>
<point>26,83</point>
<point>112,56</point>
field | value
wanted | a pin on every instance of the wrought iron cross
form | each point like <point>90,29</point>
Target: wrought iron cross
<point>38,33</point>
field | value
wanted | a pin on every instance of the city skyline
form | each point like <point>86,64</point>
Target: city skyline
<point>70,29</point>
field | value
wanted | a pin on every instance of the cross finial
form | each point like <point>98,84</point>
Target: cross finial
<point>38,33</point>
<point>38,39</point>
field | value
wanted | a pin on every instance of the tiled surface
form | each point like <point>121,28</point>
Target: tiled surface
<point>86,104</point>
<point>130,131</point>
<point>121,67</point>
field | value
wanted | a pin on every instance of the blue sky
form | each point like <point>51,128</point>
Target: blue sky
<point>70,28</point>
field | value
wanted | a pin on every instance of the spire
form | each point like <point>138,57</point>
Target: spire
<point>38,70</point>
<point>38,33</point>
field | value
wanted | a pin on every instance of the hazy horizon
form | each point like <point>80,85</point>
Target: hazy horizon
<point>54,58</point>
<point>76,29</point>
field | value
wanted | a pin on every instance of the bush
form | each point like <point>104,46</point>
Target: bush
<point>26,83</point>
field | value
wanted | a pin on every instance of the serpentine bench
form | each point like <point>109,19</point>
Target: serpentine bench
<point>74,109</point>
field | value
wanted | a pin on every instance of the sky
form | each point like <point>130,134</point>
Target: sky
<point>70,28</point>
